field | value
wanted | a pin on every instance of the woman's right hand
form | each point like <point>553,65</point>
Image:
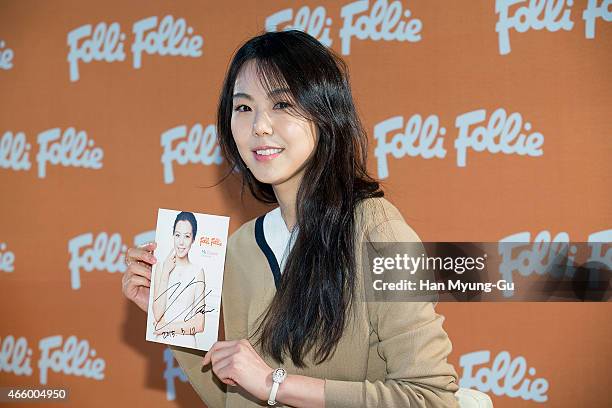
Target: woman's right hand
<point>136,281</point>
<point>169,263</point>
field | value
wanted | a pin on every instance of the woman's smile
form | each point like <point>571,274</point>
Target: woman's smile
<point>267,154</point>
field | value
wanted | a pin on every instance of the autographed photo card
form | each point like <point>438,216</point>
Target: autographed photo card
<point>186,281</point>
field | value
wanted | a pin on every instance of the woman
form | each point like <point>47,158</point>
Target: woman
<point>178,293</point>
<point>288,125</point>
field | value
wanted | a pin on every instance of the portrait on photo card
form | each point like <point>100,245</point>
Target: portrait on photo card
<point>186,280</point>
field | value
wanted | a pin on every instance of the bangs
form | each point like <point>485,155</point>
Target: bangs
<point>274,82</point>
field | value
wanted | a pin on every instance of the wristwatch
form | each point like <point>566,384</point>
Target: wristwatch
<point>278,376</point>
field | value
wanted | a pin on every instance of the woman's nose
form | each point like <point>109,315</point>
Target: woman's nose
<point>262,124</point>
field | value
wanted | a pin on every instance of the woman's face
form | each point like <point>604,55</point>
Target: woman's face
<point>183,238</point>
<point>258,122</point>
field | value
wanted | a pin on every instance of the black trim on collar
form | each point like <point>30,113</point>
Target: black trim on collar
<point>265,248</point>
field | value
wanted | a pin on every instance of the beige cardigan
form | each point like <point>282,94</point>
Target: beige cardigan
<point>393,355</point>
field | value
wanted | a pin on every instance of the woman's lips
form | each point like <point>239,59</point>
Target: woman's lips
<point>261,157</point>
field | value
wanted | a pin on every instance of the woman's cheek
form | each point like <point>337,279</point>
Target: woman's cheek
<point>241,144</point>
<point>245,155</point>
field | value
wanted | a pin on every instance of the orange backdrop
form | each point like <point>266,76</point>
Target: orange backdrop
<point>83,169</point>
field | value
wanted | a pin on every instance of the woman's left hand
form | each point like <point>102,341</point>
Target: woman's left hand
<point>236,362</point>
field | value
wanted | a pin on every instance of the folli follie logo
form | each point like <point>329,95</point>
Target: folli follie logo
<point>210,241</point>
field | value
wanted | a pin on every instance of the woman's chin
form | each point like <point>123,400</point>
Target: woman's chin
<point>272,179</point>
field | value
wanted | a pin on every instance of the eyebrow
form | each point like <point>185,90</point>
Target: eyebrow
<point>270,94</point>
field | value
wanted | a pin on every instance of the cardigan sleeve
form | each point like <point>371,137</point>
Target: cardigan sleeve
<point>411,341</point>
<point>204,382</point>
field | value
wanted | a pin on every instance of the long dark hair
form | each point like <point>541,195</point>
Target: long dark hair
<point>312,305</point>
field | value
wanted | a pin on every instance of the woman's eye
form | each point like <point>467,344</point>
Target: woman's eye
<point>281,105</point>
<point>286,104</point>
<point>237,108</point>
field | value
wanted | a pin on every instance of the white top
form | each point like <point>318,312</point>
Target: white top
<point>278,236</point>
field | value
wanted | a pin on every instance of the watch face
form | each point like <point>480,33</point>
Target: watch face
<point>279,375</point>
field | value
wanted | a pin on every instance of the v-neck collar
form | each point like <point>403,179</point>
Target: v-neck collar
<point>273,238</point>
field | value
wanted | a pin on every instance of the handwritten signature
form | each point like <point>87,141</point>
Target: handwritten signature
<point>193,309</point>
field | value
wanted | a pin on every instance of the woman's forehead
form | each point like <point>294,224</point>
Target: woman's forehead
<point>183,226</point>
<point>254,78</point>
<point>247,74</point>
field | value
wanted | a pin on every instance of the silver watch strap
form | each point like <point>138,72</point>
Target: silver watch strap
<point>273,391</point>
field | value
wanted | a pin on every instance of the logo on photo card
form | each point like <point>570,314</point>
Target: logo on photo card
<point>209,241</point>
<point>209,253</point>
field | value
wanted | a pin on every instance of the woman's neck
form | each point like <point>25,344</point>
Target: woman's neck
<point>286,196</point>
<point>183,261</point>
<point>288,215</point>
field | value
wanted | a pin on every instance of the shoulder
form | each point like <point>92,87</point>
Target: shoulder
<point>245,232</point>
<point>244,236</point>
<point>245,263</point>
<point>380,220</point>
<point>374,211</point>
<point>374,216</point>
<point>378,209</point>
